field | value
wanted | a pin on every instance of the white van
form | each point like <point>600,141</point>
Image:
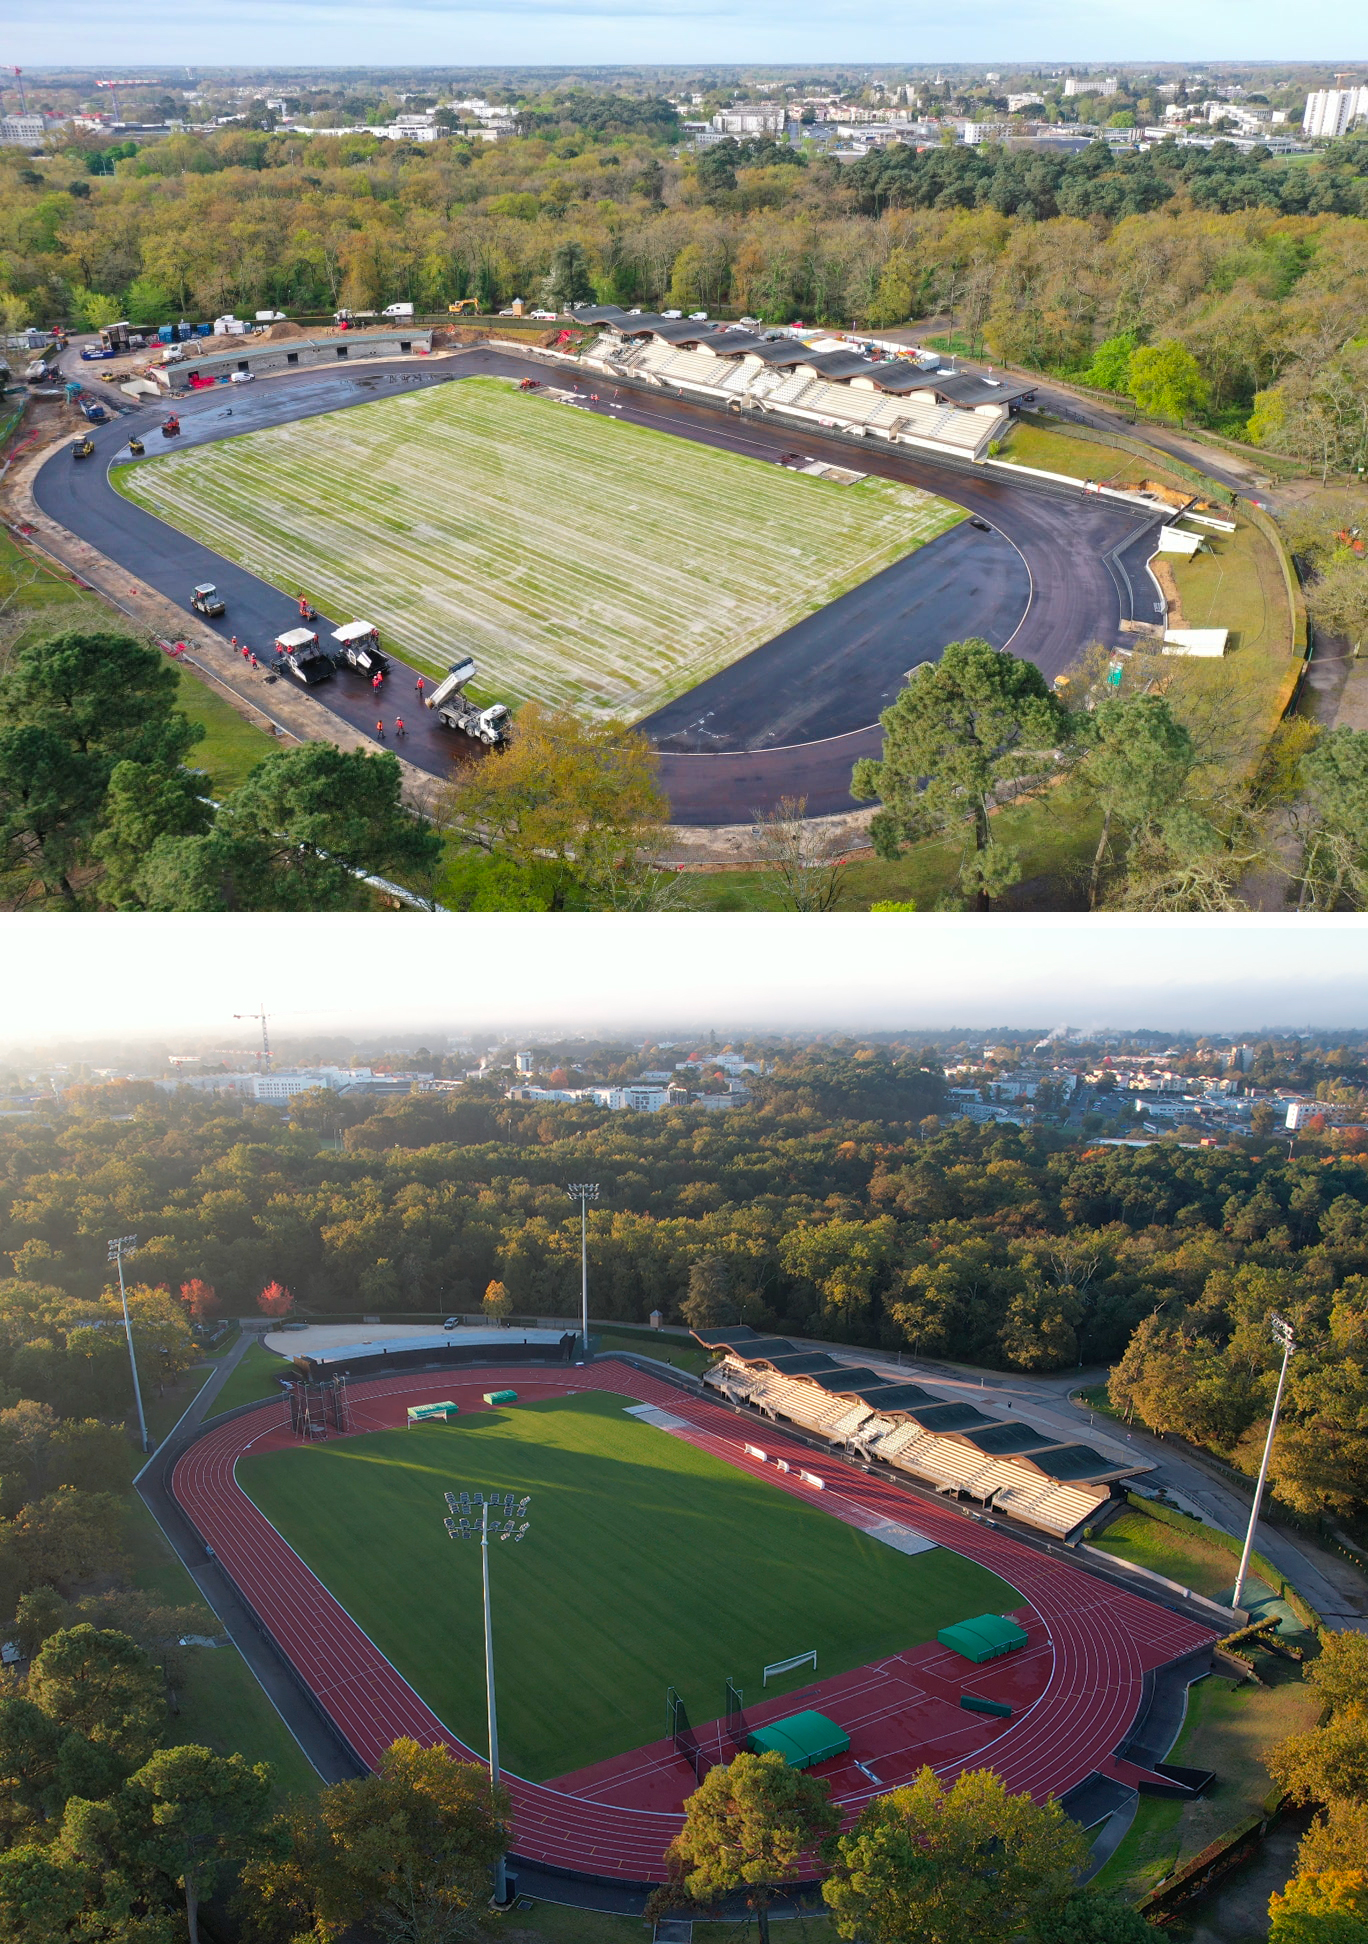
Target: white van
<point>397,310</point>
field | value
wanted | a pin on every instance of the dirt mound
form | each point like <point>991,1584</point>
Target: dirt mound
<point>284,329</point>
<point>449,334</point>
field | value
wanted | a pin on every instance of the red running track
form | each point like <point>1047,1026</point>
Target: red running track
<point>1100,1642</point>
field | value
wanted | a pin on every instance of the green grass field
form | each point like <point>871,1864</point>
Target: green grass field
<point>649,1564</point>
<point>594,565</point>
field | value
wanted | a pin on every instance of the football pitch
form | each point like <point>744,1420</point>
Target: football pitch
<point>649,1564</point>
<point>585,562</point>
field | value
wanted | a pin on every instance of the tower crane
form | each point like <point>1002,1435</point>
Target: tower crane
<point>123,81</point>
<point>18,74</point>
<point>264,1056</point>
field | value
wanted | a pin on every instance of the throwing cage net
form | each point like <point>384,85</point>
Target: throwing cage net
<point>683,1736</point>
<point>737,1730</point>
<point>317,1410</point>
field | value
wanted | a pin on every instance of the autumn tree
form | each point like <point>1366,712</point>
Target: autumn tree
<point>201,1299</point>
<point>496,1302</point>
<point>747,1826</point>
<point>970,1864</point>
<point>966,733</point>
<point>576,802</point>
<point>275,1300</point>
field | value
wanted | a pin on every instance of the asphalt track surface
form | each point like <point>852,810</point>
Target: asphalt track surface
<point>1055,574</point>
<point>1090,1645</point>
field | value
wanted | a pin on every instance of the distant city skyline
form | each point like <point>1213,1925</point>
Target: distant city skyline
<point>624,31</point>
<point>73,978</point>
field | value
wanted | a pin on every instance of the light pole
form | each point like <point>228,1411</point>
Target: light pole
<point>584,1192</point>
<point>127,1245</point>
<point>1282,1333</point>
<point>510,1522</point>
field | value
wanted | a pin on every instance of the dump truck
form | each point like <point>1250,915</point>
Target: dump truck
<point>207,600</point>
<point>358,645</point>
<point>298,652</point>
<point>456,711</point>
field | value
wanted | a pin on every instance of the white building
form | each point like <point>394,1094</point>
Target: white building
<point>23,131</point>
<point>1016,102</point>
<point>1299,1112</point>
<point>1330,111</point>
<point>752,118</point>
<point>1081,84</point>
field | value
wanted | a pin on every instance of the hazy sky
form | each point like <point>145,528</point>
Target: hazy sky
<point>569,32</point>
<point>134,976</point>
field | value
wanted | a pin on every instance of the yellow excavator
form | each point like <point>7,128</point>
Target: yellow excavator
<point>464,304</point>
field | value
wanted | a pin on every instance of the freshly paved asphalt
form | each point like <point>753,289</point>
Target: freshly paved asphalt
<point>1056,574</point>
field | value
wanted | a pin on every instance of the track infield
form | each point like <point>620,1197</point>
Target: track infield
<point>590,563</point>
<point>650,1563</point>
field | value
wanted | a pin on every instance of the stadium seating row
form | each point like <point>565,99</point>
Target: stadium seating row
<point>948,1463</point>
<point>914,420</point>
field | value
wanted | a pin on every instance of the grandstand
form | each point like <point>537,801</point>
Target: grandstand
<point>823,381</point>
<point>1022,1472</point>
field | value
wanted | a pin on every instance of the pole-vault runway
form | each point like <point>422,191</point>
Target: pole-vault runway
<point>1078,1692</point>
<point>1053,574</point>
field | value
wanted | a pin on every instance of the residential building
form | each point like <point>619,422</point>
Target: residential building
<point>1299,1112</point>
<point>1081,84</point>
<point>752,118</point>
<point>1330,111</point>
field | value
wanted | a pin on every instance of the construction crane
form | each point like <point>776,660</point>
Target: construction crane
<point>123,81</point>
<point>264,1056</point>
<point>18,74</point>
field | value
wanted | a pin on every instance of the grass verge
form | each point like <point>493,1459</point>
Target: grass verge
<point>1228,1728</point>
<point>1056,834</point>
<point>222,1705</point>
<point>257,1375</point>
<point>625,1586</point>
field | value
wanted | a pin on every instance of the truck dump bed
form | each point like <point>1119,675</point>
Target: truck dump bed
<point>451,684</point>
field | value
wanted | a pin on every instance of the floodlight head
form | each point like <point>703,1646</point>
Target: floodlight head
<point>1282,1330</point>
<point>450,1525</point>
<point>586,1191</point>
<point>122,1245</point>
<point>523,1504</point>
<point>450,1498</point>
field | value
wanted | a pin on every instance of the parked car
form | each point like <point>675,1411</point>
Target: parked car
<point>981,526</point>
<point>241,377</point>
<point>698,317</point>
<point>543,316</point>
<point>672,313</point>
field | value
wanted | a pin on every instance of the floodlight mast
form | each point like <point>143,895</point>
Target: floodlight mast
<point>584,1192</point>
<point>514,1527</point>
<point>120,1247</point>
<point>1282,1334</point>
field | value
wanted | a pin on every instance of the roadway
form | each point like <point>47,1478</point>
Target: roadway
<point>1054,574</point>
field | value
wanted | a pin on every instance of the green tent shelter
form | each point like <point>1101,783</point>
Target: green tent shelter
<point>801,1739</point>
<point>984,1638</point>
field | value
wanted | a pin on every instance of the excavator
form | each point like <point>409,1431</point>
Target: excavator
<point>464,304</point>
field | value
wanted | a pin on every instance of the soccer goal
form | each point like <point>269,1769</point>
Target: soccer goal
<point>787,1666</point>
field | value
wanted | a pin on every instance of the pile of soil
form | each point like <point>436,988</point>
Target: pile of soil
<point>284,329</point>
<point>449,334</point>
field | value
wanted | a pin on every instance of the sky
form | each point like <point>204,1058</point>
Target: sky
<point>584,32</point>
<point>131,977</point>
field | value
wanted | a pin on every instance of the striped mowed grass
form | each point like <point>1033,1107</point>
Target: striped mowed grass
<point>587,563</point>
<point>649,1564</point>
